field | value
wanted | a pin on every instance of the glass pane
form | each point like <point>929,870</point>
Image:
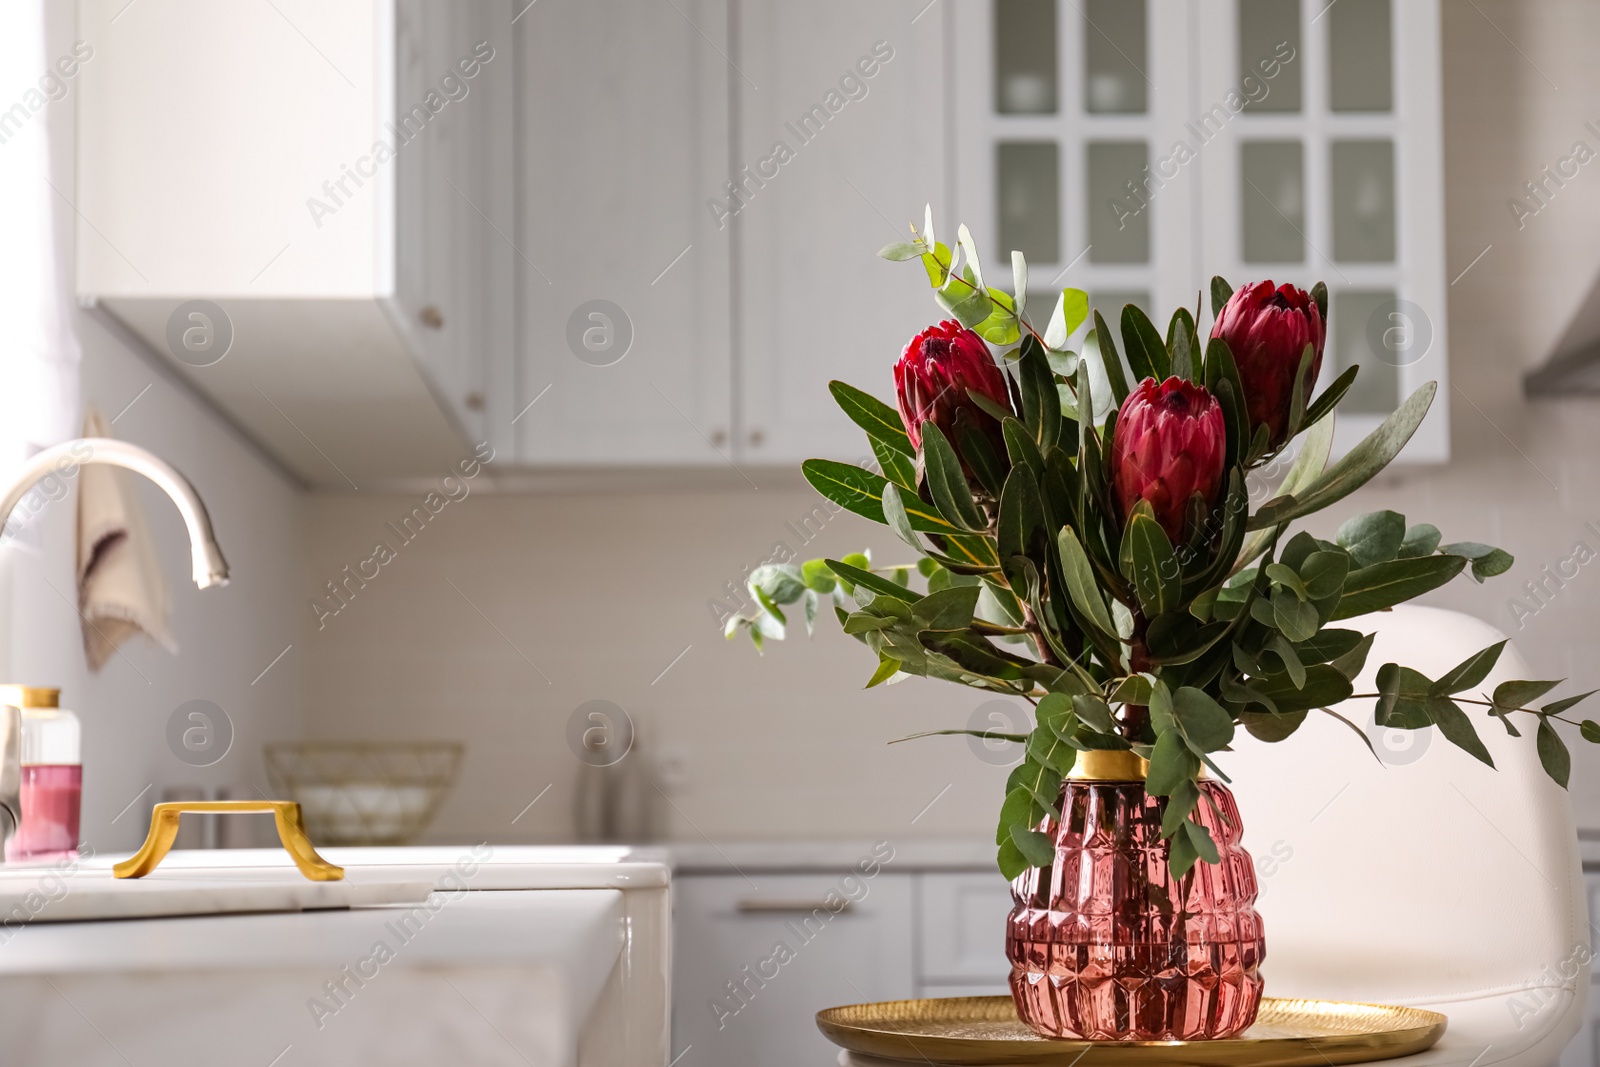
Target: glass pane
<point>1028,182</point>
<point>1109,303</point>
<point>1025,57</point>
<point>1360,77</point>
<point>1269,52</point>
<point>1272,201</point>
<point>1119,220</point>
<point>1364,332</point>
<point>1363,201</point>
<point>1114,57</point>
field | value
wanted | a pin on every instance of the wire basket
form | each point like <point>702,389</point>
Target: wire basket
<point>365,792</point>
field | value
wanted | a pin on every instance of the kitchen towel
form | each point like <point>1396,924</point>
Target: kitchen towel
<point>121,590</point>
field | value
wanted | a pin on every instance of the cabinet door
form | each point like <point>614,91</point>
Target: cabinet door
<point>453,99</point>
<point>754,963</point>
<point>961,934</point>
<point>622,112</point>
<point>833,162</point>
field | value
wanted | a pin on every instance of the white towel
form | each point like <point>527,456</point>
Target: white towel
<point>121,590</point>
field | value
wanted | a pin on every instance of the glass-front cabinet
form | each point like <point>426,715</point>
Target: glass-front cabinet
<point>1134,148</point>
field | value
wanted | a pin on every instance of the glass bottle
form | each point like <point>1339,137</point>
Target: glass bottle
<point>52,777</point>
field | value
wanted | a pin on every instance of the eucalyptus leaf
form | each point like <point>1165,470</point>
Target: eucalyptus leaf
<point>1383,585</point>
<point>1373,538</point>
<point>1553,753</point>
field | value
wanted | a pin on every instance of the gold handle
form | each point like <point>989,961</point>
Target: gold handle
<point>286,813</point>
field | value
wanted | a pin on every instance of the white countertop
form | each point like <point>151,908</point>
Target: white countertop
<point>509,976</point>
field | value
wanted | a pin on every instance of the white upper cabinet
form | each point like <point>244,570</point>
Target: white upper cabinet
<point>841,139</point>
<point>332,178</point>
<point>622,274</point>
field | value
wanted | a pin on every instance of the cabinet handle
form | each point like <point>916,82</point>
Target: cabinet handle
<point>474,401</point>
<point>431,317</point>
<point>757,437</point>
<point>780,906</point>
<point>719,438</point>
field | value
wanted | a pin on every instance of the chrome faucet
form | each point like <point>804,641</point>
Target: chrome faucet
<point>210,568</point>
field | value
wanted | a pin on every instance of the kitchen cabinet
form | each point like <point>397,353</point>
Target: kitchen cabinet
<point>740,1001</point>
<point>622,276</point>
<point>331,183</point>
<point>1584,1048</point>
<point>844,143</point>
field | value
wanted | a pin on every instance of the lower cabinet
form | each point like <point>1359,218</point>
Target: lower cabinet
<point>1584,1048</point>
<point>754,959</point>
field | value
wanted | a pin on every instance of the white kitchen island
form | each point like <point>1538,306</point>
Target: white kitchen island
<point>520,955</point>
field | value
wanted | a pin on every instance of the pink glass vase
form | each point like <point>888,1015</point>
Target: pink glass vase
<point>1105,945</point>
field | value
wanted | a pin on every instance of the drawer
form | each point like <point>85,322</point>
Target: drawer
<point>961,931</point>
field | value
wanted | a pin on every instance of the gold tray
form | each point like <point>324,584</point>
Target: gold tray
<point>985,1030</point>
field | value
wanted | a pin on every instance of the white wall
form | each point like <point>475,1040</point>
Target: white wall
<point>226,636</point>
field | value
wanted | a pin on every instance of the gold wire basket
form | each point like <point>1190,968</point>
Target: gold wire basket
<point>365,792</point>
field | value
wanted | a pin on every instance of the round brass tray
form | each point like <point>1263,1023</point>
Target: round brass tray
<point>985,1030</point>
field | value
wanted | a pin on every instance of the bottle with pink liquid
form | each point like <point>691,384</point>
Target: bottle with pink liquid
<point>52,777</point>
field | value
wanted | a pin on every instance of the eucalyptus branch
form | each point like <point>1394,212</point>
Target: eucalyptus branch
<point>1484,704</point>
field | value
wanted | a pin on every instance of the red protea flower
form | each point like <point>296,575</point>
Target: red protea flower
<point>933,376</point>
<point>1170,443</point>
<point>1267,329</point>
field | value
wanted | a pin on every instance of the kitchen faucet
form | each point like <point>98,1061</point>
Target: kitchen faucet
<point>210,569</point>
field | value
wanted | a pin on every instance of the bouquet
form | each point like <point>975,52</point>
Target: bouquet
<point>1089,543</point>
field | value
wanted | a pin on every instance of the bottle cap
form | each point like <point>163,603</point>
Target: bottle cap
<point>30,696</point>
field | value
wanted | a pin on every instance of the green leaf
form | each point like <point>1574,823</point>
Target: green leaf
<point>1469,672</point>
<point>1421,540</point>
<point>1148,561</point>
<point>1001,326</point>
<point>1183,800</point>
<point>1515,695</point>
<point>1327,645</point>
<point>947,482</point>
<point>1487,561</point>
<point>1457,728</point>
<point>1203,721</point>
<point>1284,575</point>
<point>1373,538</point>
<point>1021,448</point>
<point>1094,712</point>
<point>1021,514</point>
<point>1590,730</point>
<point>894,513</point>
<point>782,582</point>
<point>1324,687</point>
<point>1297,619</point>
<point>1351,663</point>
<point>1035,847</point>
<point>1071,311</point>
<point>887,668</point>
<point>816,575</point>
<point>1081,583</point>
<point>1221,291</point>
<point>1308,465</point>
<point>1041,404</point>
<point>1171,765</point>
<point>1319,294</point>
<point>1110,362</point>
<point>1403,698</point>
<point>1200,839</point>
<point>948,609</point>
<point>937,263</point>
<point>1134,689</point>
<point>1181,854</point>
<point>1357,467</point>
<point>1383,585</point>
<point>1291,659</point>
<point>900,251</point>
<point>1010,860</point>
<point>1183,347</point>
<point>1553,753</point>
<point>1324,404</point>
<point>1557,707</point>
<point>879,420</point>
<point>1324,574</point>
<point>867,580</point>
<point>1147,354</point>
<point>861,491</point>
<point>1266,726</point>
<point>898,467</point>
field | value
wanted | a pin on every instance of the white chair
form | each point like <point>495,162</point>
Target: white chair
<point>1428,880</point>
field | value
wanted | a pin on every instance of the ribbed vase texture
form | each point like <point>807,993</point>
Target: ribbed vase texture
<point>1106,945</point>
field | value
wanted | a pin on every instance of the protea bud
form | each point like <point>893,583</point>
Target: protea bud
<point>1267,329</point>
<point>1170,443</point>
<point>933,376</point>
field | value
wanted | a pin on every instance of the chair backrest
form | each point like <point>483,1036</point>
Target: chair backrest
<point>1427,878</point>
